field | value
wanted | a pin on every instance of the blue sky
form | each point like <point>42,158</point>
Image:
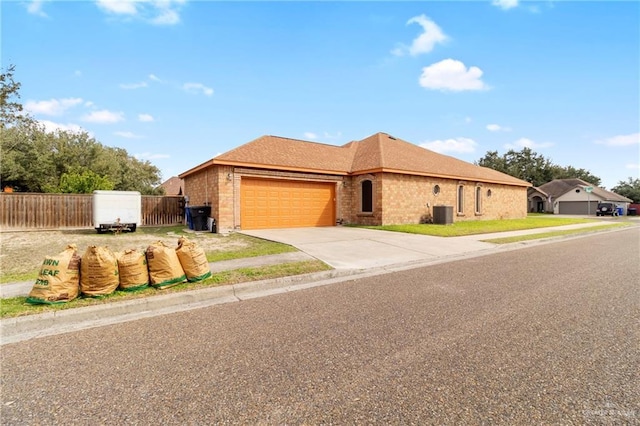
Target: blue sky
<point>179,82</point>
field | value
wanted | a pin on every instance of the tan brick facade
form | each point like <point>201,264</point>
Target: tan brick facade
<point>410,199</point>
<point>397,198</point>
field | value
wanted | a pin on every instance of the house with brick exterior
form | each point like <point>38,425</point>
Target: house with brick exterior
<point>277,182</point>
<point>572,196</point>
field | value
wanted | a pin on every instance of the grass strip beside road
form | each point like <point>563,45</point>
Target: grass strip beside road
<point>474,227</point>
<point>17,306</point>
<point>257,247</point>
<point>551,234</point>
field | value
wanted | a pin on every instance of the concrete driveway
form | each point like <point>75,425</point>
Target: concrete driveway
<point>357,248</point>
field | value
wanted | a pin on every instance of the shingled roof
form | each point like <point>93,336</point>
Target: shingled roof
<point>558,187</point>
<point>172,186</point>
<point>377,153</point>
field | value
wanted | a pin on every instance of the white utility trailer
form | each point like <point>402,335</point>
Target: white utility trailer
<point>117,211</point>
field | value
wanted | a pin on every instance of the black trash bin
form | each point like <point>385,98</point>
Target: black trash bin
<point>632,211</point>
<point>199,216</point>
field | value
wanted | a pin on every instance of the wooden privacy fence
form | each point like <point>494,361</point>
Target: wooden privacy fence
<point>162,210</point>
<point>53,211</point>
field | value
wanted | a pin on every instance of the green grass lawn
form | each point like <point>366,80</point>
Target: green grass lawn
<point>17,306</point>
<point>474,227</point>
<point>217,247</point>
<point>253,247</point>
<point>566,232</point>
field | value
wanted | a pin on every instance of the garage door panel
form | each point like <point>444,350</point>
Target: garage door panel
<point>266,203</point>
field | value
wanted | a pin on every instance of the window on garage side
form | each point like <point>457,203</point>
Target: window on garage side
<point>460,199</point>
<point>367,196</point>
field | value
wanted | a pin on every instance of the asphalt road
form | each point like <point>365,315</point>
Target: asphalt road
<point>543,335</point>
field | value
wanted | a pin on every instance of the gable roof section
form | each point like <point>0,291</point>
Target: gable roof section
<point>558,187</point>
<point>172,186</point>
<point>274,152</point>
<point>377,153</point>
<point>382,152</point>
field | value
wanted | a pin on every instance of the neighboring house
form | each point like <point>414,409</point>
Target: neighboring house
<point>276,182</point>
<point>571,196</point>
<point>173,186</point>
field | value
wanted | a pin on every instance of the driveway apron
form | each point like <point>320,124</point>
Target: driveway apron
<point>357,248</point>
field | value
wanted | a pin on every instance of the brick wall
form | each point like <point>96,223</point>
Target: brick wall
<point>397,198</point>
<point>410,199</point>
<point>198,187</point>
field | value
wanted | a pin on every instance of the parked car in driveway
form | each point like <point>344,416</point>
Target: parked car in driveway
<point>607,209</point>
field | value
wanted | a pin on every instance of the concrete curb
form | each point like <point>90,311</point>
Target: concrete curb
<point>27,327</point>
<point>17,329</point>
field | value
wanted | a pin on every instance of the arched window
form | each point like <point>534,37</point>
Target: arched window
<point>460,199</point>
<point>478,200</point>
<point>367,196</point>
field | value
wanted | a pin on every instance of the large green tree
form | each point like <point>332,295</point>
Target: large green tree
<point>532,167</point>
<point>629,188</point>
<point>10,107</point>
<point>34,160</point>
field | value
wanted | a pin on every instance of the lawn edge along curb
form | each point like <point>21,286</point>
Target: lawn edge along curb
<point>20,328</point>
<point>15,329</point>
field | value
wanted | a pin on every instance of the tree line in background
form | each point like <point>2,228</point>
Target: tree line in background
<point>34,160</point>
<point>538,170</point>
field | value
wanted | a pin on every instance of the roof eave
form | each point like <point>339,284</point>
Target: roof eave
<point>196,169</point>
<point>222,162</point>
<point>439,175</point>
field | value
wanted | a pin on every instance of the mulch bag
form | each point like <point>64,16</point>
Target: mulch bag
<point>164,266</point>
<point>132,267</point>
<point>193,260</point>
<point>59,278</point>
<point>98,272</point>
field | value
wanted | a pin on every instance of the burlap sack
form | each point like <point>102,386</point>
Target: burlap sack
<point>164,267</point>
<point>193,260</point>
<point>98,272</point>
<point>132,266</point>
<point>59,278</point>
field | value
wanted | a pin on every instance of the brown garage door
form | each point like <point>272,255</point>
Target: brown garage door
<point>267,203</point>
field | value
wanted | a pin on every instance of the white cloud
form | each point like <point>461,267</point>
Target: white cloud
<point>621,140</point>
<point>166,17</point>
<point>426,41</point>
<point>527,143</point>
<point>459,145</point>
<point>150,156</point>
<point>197,88</point>
<point>468,120</point>
<point>452,75</point>
<point>153,77</point>
<point>52,106</point>
<point>35,8</point>
<point>497,128</point>
<point>328,135</point>
<point>131,86</point>
<point>310,135</point>
<point>103,116</point>
<point>147,118</point>
<point>51,127</point>
<point>77,73</point>
<point>157,12</point>
<point>128,135</point>
<point>119,7</point>
<point>505,4</point>
<point>633,166</point>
